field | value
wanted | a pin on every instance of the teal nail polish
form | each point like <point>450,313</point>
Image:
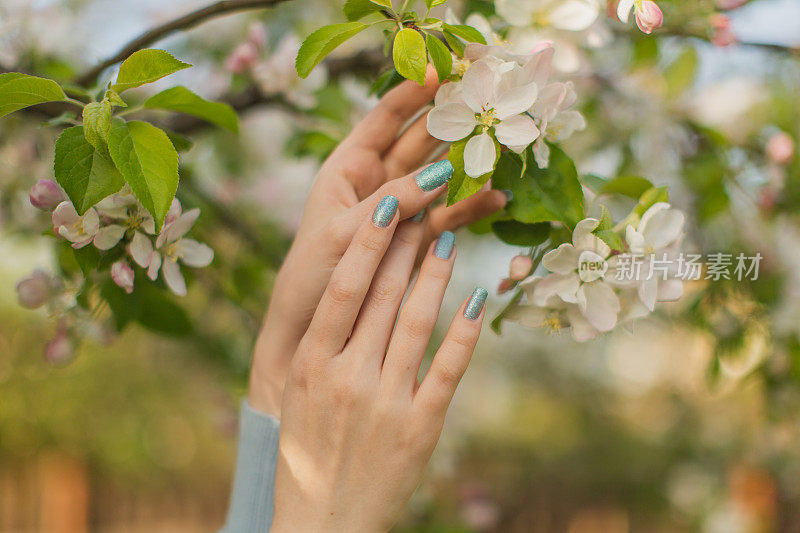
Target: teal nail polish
<point>475,304</point>
<point>434,175</point>
<point>385,210</point>
<point>444,245</point>
<point>509,194</point>
<point>419,216</point>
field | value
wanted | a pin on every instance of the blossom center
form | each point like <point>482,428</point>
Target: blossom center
<point>486,118</point>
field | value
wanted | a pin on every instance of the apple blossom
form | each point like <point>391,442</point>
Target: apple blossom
<point>492,99</point>
<point>126,213</point>
<point>122,274</point>
<point>277,75</point>
<point>170,248</point>
<point>573,15</point>
<point>242,59</point>
<point>721,30</point>
<point>45,195</point>
<point>34,290</point>
<point>648,15</point>
<point>655,237</point>
<point>79,230</point>
<point>555,121</point>
<point>60,349</point>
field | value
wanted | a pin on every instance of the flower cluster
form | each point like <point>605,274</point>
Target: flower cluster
<point>582,289</point>
<point>121,220</point>
<point>504,98</point>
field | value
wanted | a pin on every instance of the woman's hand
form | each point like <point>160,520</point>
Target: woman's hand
<point>358,428</point>
<point>371,163</point>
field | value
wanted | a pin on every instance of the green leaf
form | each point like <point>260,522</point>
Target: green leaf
<point>441,56</point>
<point>18,91</point>
<point>183,100</point>
<point>86,174</point>
<point>410,56</point>
<point>520,233</point>
<point>147,159</point>
<point>650,197</point>
<point>358,9</point>
<point>181,142</point>
<point>680,73</point>
<point>541,195</point>
<point>384,3</point>
<point>146,66</point>
<point>605,232</point>
<point>468,33</point>
<point>630,186</point>
<point>96,122</point>
<point>114,98</point>
<point>430,4</point>
<point>149,305</point>
<point>461,186</point>
<point>322,42</point>
<point>455,43</point>
<point>88,259</point>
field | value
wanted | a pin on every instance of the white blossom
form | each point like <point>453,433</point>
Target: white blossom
<point>572,15</point>
<point>79,230</point>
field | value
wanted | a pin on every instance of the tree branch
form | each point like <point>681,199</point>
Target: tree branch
<point>187,21</point>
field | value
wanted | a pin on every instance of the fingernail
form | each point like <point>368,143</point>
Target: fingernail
<point>475,304</point>
<point>509,194</point>
<point>419,216</point>
<point>384,212</point>
<point>444,245</point>
<point>434,175</point>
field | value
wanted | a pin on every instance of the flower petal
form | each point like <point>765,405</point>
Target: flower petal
<point>563,286</point>
<point>448,93</point>
<point>517,131</point>
<point>663,228</point>
<point>670,290</point>
<point>479,155</point>
<point>541,153</point>
<point>182,225</point>
<point>582,330</point>
<point>155,265</point>
<point>599,304</point>
<point>451,122</point>
<point>141,249</point>
<point>193,253</point>
<point>174,278</point>
<point>624,9</point>
<point>648,292</point>
<point>108,236</point>
<point>515,100</point>
<point>562,260</point>
<point>478,86</point>
<point>529,316</point>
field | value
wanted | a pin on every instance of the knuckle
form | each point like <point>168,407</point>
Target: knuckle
<point>349,393</point>
<point>385,291</point>
<point>337,233</point>
<point>439,271</point>
<point>448,375</point>
<point>341,291</point>
<point>418,325</point>
<point>372,244</point>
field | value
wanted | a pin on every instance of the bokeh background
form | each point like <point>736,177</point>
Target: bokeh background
<point>690,422</point>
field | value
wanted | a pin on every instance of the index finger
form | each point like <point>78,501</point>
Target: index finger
<point>379,129</point>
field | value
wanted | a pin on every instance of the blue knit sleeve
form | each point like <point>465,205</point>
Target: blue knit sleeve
<point>251,506</point>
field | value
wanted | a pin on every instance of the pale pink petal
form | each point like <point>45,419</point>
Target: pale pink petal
<point>516,131</point>
<point>582,234</point>
<point>174,278</point>
<point>64,214</point>
<point>562,260</point>
<point>515,100</point>
<point>663,228</point>
<point>648,292</point>
<point>561,285</point>
<point>478,86</point>
<point>541,153</point>
<point>479,155</point>
<point>193,253</point>
<point>529,316</point>
<point>582,330</point>
<point>141,249</point>
<point>91,222</point>
<point>448,93</point>
<point>108,236</point>
<point>591,266</point>
<point>599,304</point>
<point>182,225</point>
<point>155,265</point>
<point>670,290</point>
<point>624,9</point>
<point>451,122</point>
<point>122,274</point>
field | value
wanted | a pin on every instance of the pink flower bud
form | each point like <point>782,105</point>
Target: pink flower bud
<point>520,267</point>
<point>780,148</point>
<point>257,34</point>
<point>242,58</point>
<point>730,4</point>
<point>649,17</point>
<point>60,349</point>
<point>46,195</point>
<point>34,291</point>
<point>506,284</point>
<point>722,34</point>
<point>122,274</point>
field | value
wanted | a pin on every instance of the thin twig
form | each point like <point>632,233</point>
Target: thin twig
<point>185,22</point>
